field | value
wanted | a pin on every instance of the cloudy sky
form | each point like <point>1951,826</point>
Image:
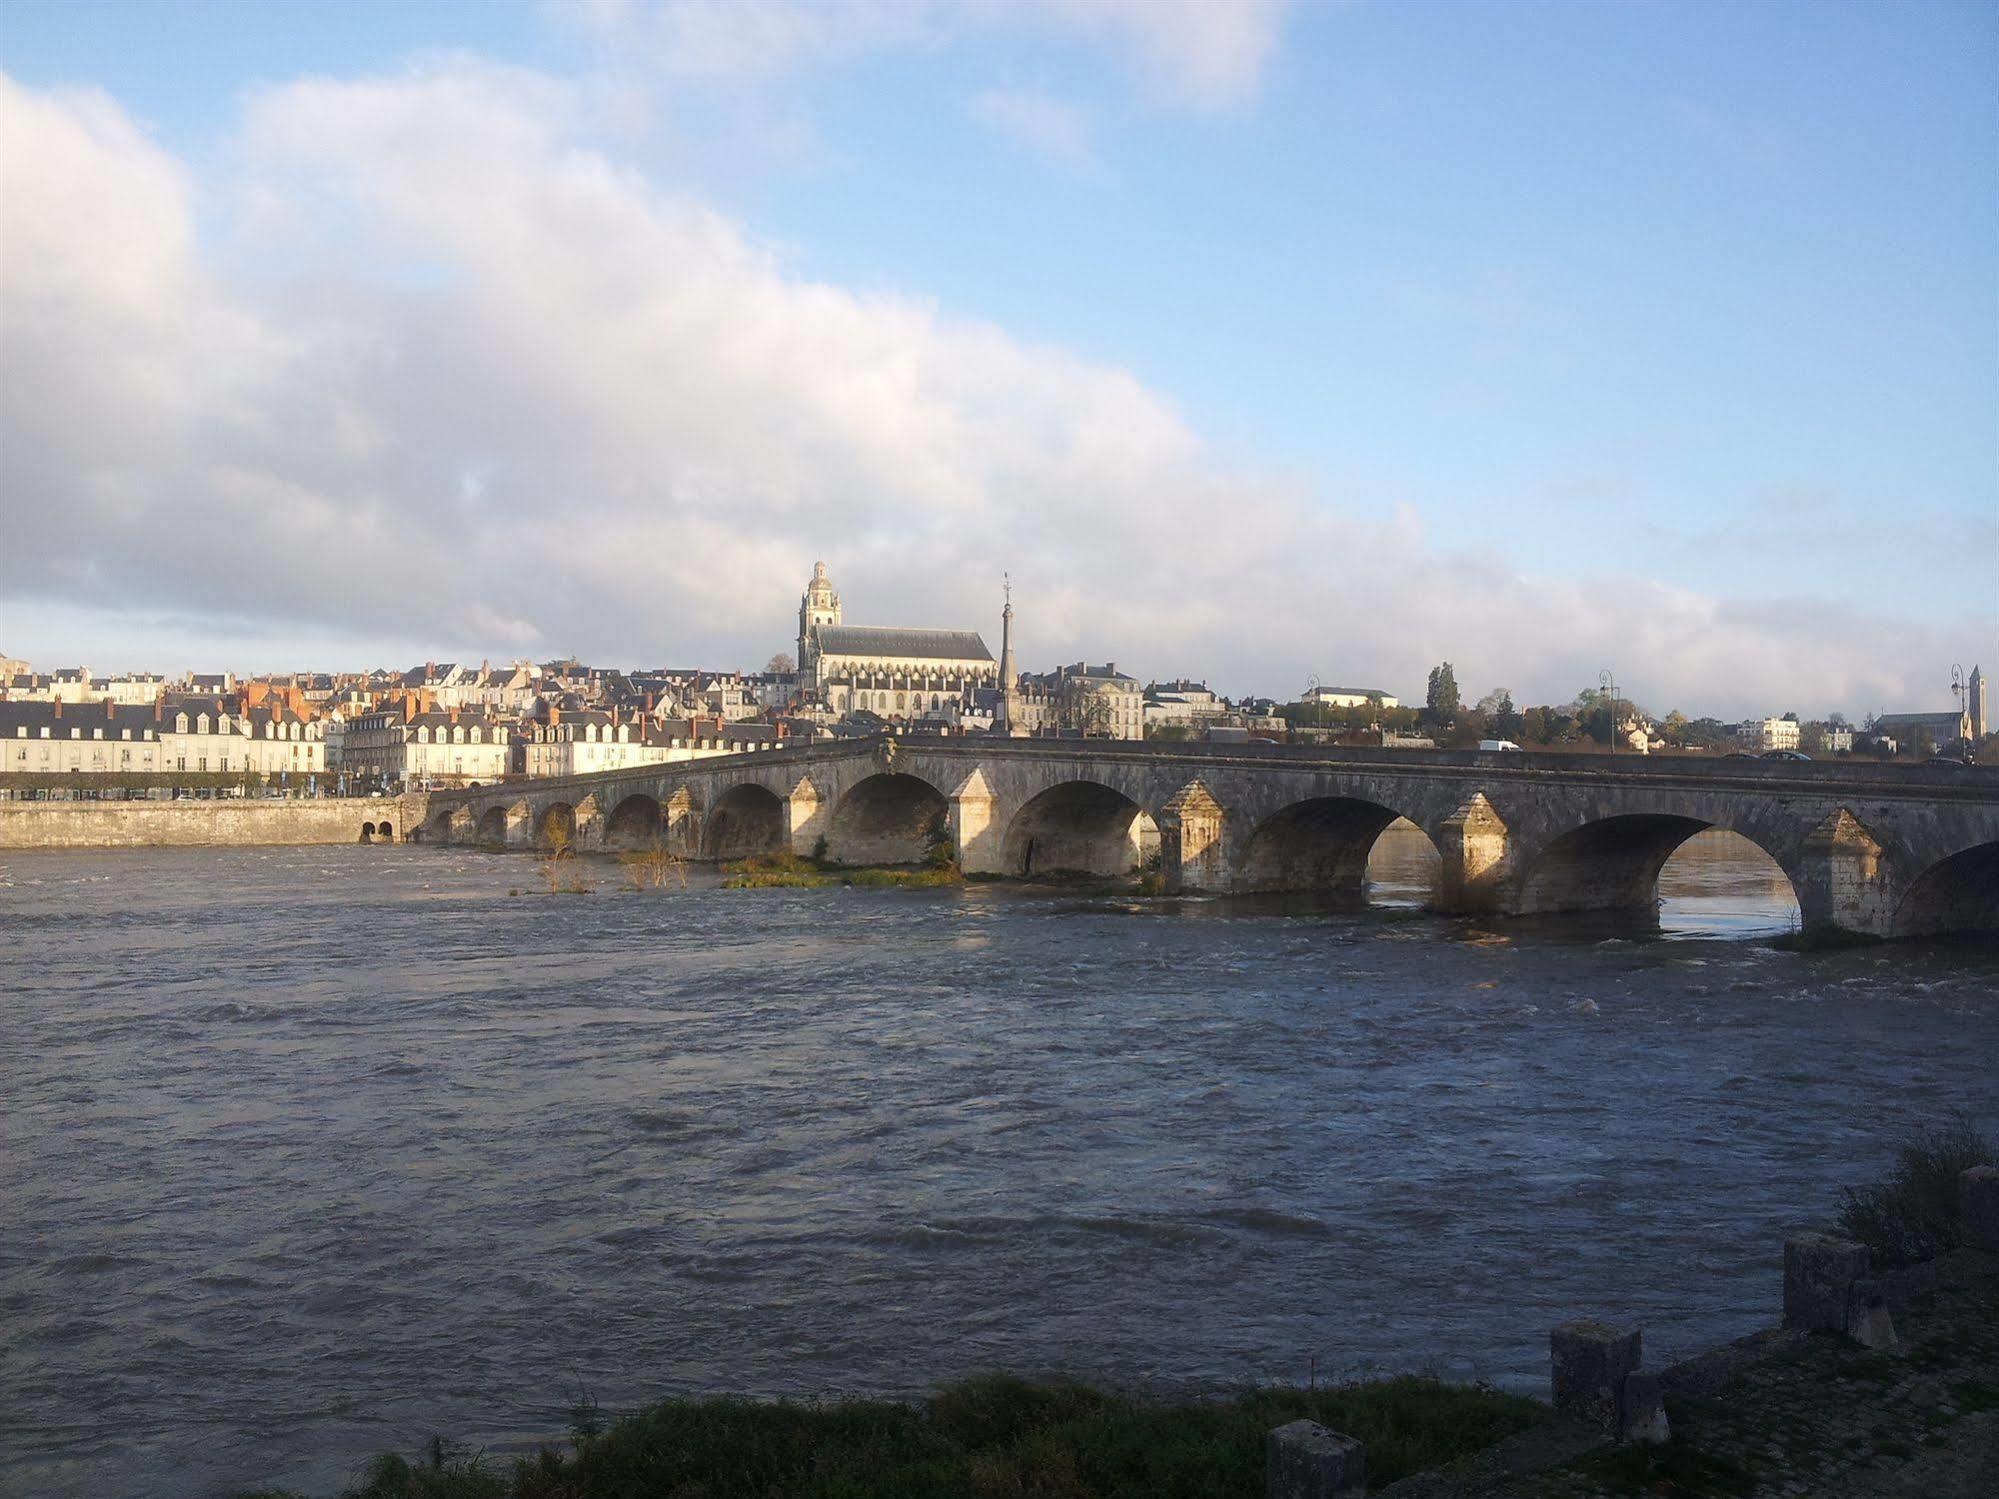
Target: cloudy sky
<point>1255,340</point>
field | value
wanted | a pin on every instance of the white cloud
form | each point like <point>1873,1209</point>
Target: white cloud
<point>435,277</point>
<point>1053,129</point>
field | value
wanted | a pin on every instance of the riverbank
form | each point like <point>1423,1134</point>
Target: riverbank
<point>1780,1414</point>
<point>227,822</point>
<point>977,1439</point>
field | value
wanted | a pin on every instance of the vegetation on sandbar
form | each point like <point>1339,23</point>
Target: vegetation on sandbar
<point>981,1438</point>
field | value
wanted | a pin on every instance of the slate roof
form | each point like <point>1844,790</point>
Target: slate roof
<point>884,643</point>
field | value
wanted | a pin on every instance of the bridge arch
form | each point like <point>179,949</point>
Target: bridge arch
<point>493,826</point>
<point>1614,863</point>
<point>1323,843</point>
<point>367,832</point>
<point>887,818</point>
<point>1079,827</point>
<point>746,821</point>
<point>556,826</point>
<point>1959,893</point>
<point>634,822</point>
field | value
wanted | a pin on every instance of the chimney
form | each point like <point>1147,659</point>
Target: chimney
<point>58,707</point>
<point>109,711</point>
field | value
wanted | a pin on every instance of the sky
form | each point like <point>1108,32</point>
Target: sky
<point>1256,341</point>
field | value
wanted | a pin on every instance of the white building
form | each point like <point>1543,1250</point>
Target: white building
<point>578,742</point>
<point>1771,733</point>
<point>437,745</point>
<point>1350,697</point>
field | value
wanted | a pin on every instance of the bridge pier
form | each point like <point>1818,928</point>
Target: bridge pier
<point>804,820</point>
<point>1193,853</point>
<point>680,824</point>
<point>589,824</point>
<point>1472,847</point>
<point>976,840</point>
<point>1842,882</point>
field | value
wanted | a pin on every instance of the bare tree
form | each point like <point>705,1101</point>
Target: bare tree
<point>780,665</point>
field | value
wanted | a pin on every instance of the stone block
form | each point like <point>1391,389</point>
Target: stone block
<point>1589,1363</point>
<point>1641,1409</point>
<point>1819,1272</point>
<point>1867,1317</point>
<point>1978,1204</point>
<point>1305,1460</point>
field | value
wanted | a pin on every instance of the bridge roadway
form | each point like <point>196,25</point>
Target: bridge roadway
<point>1870,849</point>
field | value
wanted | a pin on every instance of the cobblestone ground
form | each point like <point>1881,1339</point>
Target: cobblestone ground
<point>1791,1417</point>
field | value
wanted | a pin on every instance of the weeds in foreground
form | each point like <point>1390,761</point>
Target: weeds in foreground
<point>981,1438</point>
<point>1913,1214</point>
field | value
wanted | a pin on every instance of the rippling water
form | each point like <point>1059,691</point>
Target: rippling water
<point>310,1152</point>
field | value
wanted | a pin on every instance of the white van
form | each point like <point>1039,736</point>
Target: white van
<point>1497,744</point>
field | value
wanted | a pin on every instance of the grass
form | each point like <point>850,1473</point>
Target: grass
<point>983,1438</point>
<point>791,871</point>
<point>1913,1214</point>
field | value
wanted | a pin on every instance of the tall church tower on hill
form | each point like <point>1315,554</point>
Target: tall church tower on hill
<point>1976,705</point>
<point>818,607</point>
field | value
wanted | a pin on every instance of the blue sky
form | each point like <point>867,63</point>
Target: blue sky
<point>1681,311</point>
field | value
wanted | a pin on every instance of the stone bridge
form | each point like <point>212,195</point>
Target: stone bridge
<point>1870,849</point>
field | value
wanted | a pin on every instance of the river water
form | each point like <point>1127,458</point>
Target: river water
<point>306,1153</point>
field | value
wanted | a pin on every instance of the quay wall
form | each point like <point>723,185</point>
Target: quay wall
<point>220,823</point>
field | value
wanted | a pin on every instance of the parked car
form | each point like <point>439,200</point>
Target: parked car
<point>1785,754</point>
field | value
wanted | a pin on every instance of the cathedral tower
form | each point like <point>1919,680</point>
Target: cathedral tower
<point>818,606</point>
<point>1977,704</point>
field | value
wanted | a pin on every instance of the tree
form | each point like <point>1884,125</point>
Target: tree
<point>1441,702</point>
<point>780,665</point>
<point>1674,727</point>
<point>1811,738</point>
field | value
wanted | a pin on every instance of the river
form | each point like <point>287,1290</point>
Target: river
<point>309,1152</point>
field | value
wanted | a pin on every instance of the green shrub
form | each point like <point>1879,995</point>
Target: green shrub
<point>1913,1215</point>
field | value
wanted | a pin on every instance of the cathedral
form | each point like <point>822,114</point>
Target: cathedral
<point>898,673</point>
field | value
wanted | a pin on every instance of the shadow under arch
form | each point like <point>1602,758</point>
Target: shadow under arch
<point>746,821</point>
<point>492,825</point>
<point>1079,828</point>
<point>887,818</point>
<point>1956,894</point>
<point>1325,843</point>
<point>1614,864</point>
<point>634,822</point>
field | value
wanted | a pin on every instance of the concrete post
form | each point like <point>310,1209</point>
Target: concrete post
<point>803,824</point>
<point>1589,1363</point>
<point>1472,847</point>
<point>1978,1205</point>
<point>1867,1320</point>
<point>1842,881</point>
<point>1305,1460</point>
<point>1819,1272</point>
<point>1641,1409</point>
<point>1192,852</point>
<point>976,838</point>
